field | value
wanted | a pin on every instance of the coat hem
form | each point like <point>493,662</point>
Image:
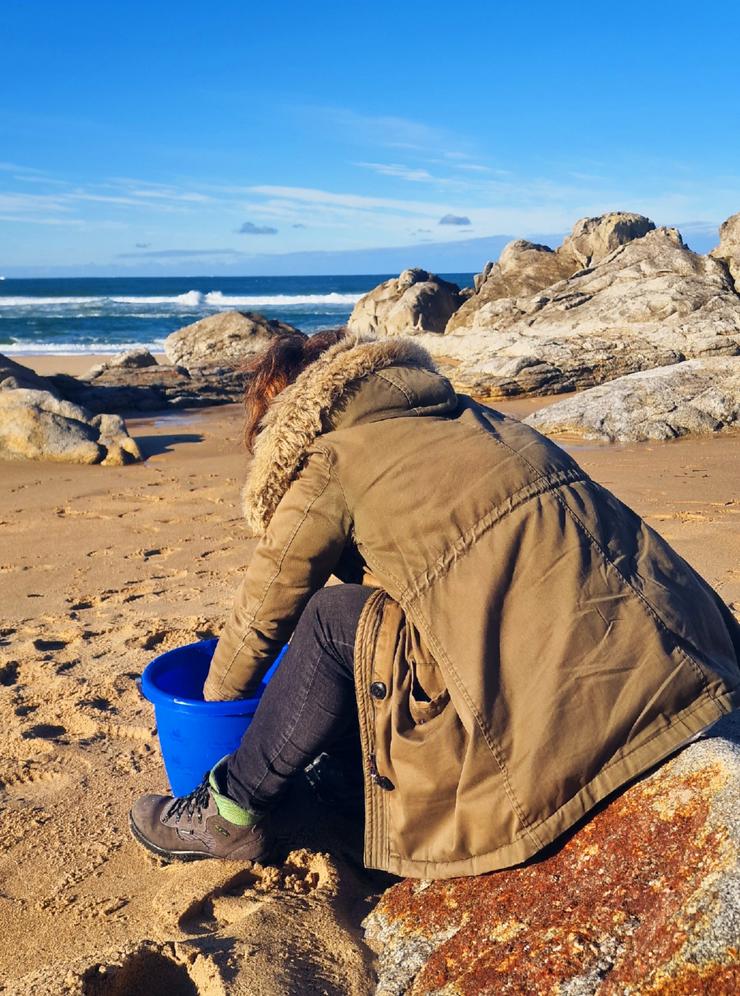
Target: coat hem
<point>685,724</point>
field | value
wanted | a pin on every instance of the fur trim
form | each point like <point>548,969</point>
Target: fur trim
<point>298,415</point>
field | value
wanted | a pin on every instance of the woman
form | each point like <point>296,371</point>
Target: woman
<point>511,644</point>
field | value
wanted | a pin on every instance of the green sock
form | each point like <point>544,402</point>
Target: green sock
<point>230,810</point>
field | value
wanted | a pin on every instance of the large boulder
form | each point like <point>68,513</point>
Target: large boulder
<point>728,249</point>
<point>592,239</point>
<point>523,268</point>
<point>644,898</point>
<point>36,425</point>
<point>132,359</point>
<point>696,396</point>
<point>224,340</point>
<point>14,375</point>
<point>415,301</point>
<point>649,303</point>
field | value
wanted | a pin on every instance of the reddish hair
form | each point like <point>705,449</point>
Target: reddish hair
<point>272,371</point>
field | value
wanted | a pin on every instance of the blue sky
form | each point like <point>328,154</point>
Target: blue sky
<point>186,137</point>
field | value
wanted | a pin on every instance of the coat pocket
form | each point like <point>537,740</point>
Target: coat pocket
<point>427,694</point>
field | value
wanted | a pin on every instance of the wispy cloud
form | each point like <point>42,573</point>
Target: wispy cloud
<point>362,202</point>
<point>397,170</point>
<point>383,129</point>
<point>454,219</point>
<point>179,253</point>
<point>249,228</point>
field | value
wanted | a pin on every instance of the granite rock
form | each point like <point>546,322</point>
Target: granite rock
<point>415,301</point>
<point>36,425</point>
<point>649,303</point>
<point>696,396</point>
<point>133,359</point>
<point>592,239</point>
<point>224,340</point>
<point>14,375</point>
<point>149,387</point>
<point>643,898</point>
<point>523,268</point>
<point>728,250</point>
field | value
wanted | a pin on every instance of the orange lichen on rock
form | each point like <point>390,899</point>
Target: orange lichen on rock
<point>640,900</point>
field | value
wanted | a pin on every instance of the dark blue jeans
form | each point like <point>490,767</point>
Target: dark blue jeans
<point>309,706</point>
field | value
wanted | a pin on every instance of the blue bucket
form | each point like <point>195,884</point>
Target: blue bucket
<point>194,734</point>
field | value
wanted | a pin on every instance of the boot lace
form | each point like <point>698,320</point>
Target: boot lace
<point>193,804</point>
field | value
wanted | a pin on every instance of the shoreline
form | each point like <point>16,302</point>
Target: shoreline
<point>75,364</point>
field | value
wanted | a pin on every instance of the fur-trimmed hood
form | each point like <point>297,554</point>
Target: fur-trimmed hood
<point>302,412</point>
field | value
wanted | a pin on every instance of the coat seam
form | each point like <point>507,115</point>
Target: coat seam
<point>271,581</point>
<point>383,375</point>
<point>491,744</point>
<point>366,637</point>
<point>685,714</point>
<point>534,489</point>
<point>646,604</point>
<point>335,477</point>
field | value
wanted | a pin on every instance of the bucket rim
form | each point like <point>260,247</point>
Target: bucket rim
<point>230,707</point>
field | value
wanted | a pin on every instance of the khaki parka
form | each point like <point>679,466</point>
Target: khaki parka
<point>538,644</point>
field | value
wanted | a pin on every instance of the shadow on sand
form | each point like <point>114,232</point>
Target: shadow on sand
<point>156,444</point>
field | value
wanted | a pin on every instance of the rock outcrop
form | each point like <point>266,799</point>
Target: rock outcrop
<point>696,396</point>
<point>224,340</point>
<point>13,375</point>
<point>415,301</point>
<point>728,250</point>
<point>523,268</point>
<point>644,898</point>
<point>593,239</point>
<point>135,381</point>
<point>134,359</point>
<point>36,425</point>
<point>649,303</point>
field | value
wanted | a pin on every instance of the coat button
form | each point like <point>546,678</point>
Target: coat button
<point>378,690</point>
<point>385,783</point>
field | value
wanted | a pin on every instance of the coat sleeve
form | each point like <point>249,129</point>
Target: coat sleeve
<point>303,543</point>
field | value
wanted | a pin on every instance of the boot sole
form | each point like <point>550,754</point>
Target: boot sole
<point>162,852</point>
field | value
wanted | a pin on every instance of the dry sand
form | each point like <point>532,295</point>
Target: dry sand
<point>102,568</point>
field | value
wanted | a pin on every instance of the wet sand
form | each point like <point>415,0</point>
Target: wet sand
<point>101,569</point>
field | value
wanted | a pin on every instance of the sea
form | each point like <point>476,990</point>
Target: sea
<point>113,314</point>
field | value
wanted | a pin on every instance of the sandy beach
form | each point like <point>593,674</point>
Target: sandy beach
<point>104,567</point>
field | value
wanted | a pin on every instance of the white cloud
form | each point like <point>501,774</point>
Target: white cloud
<point>361,202</point>
<point>397,170</point>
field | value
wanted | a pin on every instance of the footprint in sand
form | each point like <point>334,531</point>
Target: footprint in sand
<point>9,674</point>
<point>151,968</point>
<point>214,899</point>
<point>47,645</point>
<point>44,731</point>
<point>33,783</point>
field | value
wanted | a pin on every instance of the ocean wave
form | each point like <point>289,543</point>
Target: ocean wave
<point>31,348</point>
<point>190,299</point>
<point>219,300</point>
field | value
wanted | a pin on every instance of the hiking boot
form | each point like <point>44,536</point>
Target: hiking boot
<point>204,824</point>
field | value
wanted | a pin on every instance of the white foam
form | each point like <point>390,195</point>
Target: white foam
<point>23,302</point>
<point>91,348</point>
<point>218,300</point>
<point>191,299</point>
